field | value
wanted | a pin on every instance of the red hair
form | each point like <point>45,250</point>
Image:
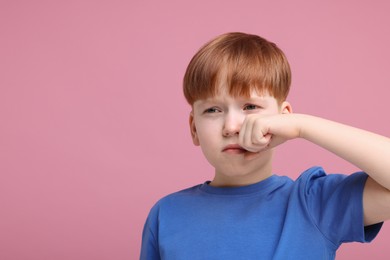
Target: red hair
<point>241,63</point>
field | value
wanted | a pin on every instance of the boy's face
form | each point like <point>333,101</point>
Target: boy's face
<point>215,124</point>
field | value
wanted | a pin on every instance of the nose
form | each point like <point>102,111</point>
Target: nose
<point>232,124</point>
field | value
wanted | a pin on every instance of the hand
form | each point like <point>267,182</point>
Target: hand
<point>259,132</point>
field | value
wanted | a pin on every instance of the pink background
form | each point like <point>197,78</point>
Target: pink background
<point>94,126</point>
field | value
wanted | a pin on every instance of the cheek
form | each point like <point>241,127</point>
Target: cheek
<point>272,111</point>
<point>206,136</point>
<point>208,133</point>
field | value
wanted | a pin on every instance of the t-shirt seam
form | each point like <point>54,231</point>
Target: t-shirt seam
<point>316,225</point>
<point>253,194</point>
<point>279,182</point>
<point>154,239</point>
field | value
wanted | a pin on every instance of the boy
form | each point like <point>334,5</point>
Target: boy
<point>237,85</point>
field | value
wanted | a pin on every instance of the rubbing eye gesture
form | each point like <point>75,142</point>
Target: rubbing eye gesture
<point>368,151</point>
<point>260,132</point>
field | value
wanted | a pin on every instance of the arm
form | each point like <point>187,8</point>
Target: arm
<point>368,151</point>
<point>149,246</point>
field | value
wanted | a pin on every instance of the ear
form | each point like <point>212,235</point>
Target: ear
<point>194,134</point>
<point>286,108</point>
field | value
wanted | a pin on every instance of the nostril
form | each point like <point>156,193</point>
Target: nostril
<point>231,132</point>
<point>232,124</point>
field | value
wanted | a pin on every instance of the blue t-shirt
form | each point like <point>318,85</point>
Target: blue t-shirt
<point>277,218</point>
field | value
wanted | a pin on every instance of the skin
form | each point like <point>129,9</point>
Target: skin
<point>237,137</point>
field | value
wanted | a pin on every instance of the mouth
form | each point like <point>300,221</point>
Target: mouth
<point>234,149</point>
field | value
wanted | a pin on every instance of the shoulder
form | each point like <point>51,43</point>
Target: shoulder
<point>320,191</point>
<point>184,193</point>
<point>172,200</point>
<point>333,201</point>
<point>325,194</point>
<point>315,179</point>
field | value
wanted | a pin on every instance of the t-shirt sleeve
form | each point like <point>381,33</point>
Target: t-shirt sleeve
<point>335,203</point>
<point>149,247</point>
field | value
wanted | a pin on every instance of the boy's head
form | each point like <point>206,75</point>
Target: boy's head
<point>240,63</point>
<point>232,76</point>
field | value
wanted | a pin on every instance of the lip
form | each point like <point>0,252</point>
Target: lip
<point>234,149</point>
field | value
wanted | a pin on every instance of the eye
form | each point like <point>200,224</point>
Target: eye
<point>251,107</point>
<point>212,110</point>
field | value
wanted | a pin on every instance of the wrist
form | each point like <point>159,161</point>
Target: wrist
<point>301,121</point>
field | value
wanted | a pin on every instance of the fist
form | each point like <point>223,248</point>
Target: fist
<point>259,132</point>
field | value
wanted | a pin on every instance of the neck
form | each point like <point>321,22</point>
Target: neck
<point>260,173</point>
